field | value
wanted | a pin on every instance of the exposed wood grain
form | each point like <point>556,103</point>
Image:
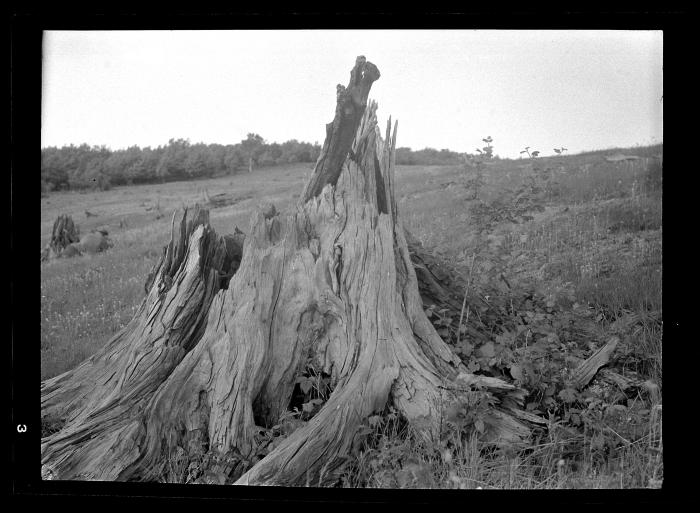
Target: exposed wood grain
<point>104,395</point>
<point>64,233</point>
<point>584,373</point>
<point>332,285</point>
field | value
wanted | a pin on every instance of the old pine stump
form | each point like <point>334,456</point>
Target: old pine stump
<point>230,322</point>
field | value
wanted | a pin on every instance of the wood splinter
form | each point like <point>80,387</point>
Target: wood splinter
<point>203,365</point>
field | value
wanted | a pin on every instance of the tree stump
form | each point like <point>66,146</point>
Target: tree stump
<point>207,361</point>
<point>63,234</point>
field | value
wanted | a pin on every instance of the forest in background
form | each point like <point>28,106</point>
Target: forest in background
<point>98,167</point>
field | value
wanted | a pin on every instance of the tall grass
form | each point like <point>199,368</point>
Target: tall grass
<point>558,458</point>
<point>86,301</point>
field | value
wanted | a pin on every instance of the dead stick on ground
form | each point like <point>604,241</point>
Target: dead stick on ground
<point>585,372</point>
<point>464,303</point>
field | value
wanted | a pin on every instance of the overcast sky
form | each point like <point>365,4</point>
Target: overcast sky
<point>583,90</point>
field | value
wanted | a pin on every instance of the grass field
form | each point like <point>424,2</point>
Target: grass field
<point>559,252</point>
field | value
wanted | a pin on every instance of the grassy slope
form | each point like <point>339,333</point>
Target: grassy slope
<point>564,251</point>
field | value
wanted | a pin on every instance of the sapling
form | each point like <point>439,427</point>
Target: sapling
<point>477,161</point>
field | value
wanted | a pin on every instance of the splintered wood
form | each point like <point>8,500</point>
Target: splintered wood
<point>331,286</point>
<point>584,373</point>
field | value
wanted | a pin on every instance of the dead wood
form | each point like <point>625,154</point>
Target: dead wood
<point>629,384</point>
<point>584,373</point>
<point>102,400</point>
<point>331,285</point>
<point>63,234</point>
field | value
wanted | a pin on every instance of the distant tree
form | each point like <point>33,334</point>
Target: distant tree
<point>80,167</point>
<point>149,160</point>
<point>271,155</point>
<point>94,176</point>
<point>290,153</point>
<point>215,157</point>
<point>172,162</point>
<point>233,158</point>
<point>53,169</point>
<point>200,162</point>
<point>404,156</point>
<point>427,157</point>
<point>252,147</point>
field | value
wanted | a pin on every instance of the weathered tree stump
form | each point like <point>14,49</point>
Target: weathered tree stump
<point>330,285</point>
<point>63,234</point>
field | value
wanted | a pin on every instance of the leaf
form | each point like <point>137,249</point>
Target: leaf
<point>404,478</point>
<point>517,372</point>
<point>505,339</point>
<point>453,412</point>
<point>308,407</point>
<point>487,350</point>
<point>305,386</point>
<point>466,348</point>
<point>553,338</point>
<point>568,395</point>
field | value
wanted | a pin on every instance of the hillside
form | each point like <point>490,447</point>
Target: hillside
<point>556,255</point>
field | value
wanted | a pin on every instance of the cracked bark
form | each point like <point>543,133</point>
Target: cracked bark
<point>332,283</point>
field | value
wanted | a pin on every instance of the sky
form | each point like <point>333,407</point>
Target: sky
<point>582,90</point>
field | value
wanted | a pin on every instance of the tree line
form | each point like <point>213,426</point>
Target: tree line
<point>84,166</point>
<point>428,157</point>
<point>90,167</point>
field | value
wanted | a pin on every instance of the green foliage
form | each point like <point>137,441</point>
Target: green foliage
<point>427,157</point>
<point>315,388</point>
<point>568,253</point>
<point>478,162</point>
<point>85,167</point>
<point>253,147</point>
<point>534,154</point>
